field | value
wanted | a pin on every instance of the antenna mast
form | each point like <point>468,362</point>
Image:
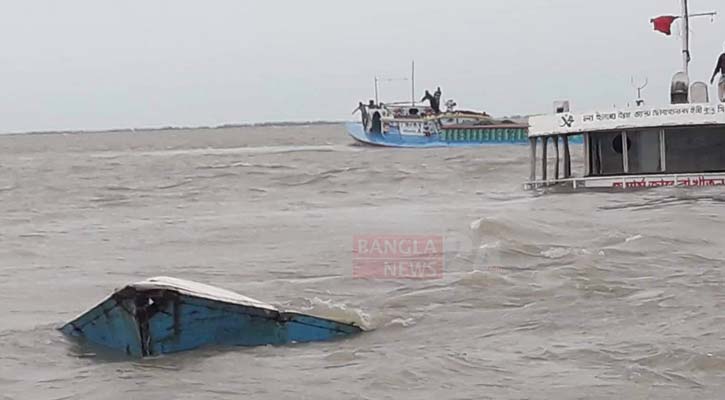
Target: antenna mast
<point>686,55</point>
<point>377,85</point>
<point>639,83</point>
<point>686,38</point>
<point>412,79</point>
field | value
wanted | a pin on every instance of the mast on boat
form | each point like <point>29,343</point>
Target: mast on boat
<point>686,38</point>
<point>681,88</point>
<point>412,80</point>
<point>686,55</point>
<point>378,80</point>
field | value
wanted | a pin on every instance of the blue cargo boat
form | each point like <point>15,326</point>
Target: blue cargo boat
<point>438,124</point>
<point>415,125</point>
<point>450,136</point>
<point>168,315</point>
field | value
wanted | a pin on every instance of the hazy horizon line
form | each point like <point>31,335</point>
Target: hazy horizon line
<point>192,127</point>
<point>176,127</point>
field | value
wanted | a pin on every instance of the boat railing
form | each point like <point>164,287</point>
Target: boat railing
<point>407,119</point>
<point>537,184</point>
<point>403,104</point>
<point>624,179</point>
<point>574,181</point>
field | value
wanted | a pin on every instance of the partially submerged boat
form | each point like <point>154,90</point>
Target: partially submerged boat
<point>681,144</point>
<point>167,315</point>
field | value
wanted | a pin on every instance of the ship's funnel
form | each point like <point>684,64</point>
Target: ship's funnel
<point>679,92</point>
<point>699,93</point>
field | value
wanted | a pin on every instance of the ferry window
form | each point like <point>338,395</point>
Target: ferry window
<point>605,160</point>
<point>695,149</point>
<point>644,151</point>
<point>617,144</point>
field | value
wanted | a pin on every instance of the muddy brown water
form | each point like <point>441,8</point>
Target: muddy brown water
<point>566,296</point>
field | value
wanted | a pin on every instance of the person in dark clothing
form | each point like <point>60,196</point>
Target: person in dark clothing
<point>433,103</point>
<point>438,94</point>
<point>719,68</point>
<point>364,113</point>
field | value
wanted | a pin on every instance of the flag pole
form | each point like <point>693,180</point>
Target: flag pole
<point>686,38</point>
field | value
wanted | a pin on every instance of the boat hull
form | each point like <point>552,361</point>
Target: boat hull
<point>633,182</point>
<point>449,137</point>
<point>163,321</point>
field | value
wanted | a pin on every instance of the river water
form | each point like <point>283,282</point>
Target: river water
<point>559,296</point>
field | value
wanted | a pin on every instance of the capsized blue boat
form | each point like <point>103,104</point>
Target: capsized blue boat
<point>168,315</point>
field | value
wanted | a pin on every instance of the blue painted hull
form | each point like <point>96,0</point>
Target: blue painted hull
<point>173,322</point>
<point>464,137</point>
<point>455,138</point>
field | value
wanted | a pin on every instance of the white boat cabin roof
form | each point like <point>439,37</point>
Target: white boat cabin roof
<point>195,289</point>
<point>190,288</point>
<point>677,115</point>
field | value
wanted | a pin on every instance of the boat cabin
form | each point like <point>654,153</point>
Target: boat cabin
<point>402,118</point>
<point>421,120</point>
<point>407,110</point>
<point>675,145</point>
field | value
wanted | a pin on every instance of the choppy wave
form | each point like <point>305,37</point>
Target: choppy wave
<point>325,308</point>
<point>576,295</point>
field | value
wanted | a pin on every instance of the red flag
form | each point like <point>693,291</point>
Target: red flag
<point>664,24</point>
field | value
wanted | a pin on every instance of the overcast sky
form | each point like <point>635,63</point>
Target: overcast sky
<point>96,64</point>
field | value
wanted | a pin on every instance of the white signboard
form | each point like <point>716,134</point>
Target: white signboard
<point>631,118</point>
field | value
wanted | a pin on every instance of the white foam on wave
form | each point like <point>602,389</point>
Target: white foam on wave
<point>484,278</point>
<point>401,322</point>
<point>338,312</point>
<point>557,252</point>
<point>492,245</point>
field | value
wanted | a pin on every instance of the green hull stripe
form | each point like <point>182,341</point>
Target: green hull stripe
<point>483,135</point>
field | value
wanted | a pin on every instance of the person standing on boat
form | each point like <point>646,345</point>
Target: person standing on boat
<point>364,113</point>
<point>438,94</point>
<point>719,68</point>
<point>433,103</point>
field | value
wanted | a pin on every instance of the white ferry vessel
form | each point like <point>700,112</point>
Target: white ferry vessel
<point>681,144</point>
